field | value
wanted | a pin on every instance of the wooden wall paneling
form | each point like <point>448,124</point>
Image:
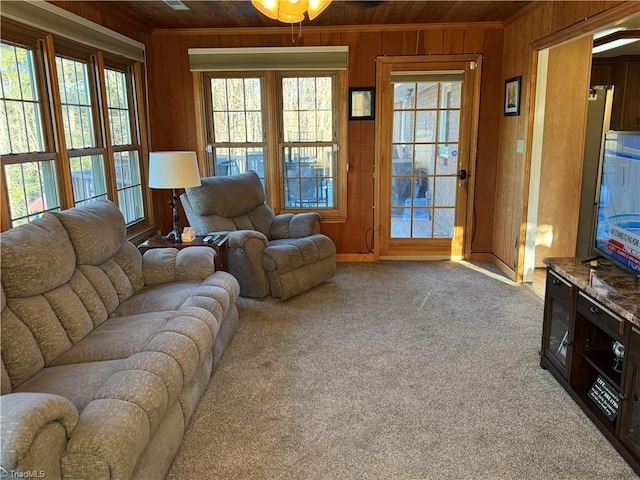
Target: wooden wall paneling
<point>529,26</point>
<point>453,41</point>
<point>474,39</point>
<point>369,46</point>
<point>563,148</point>
<point>117,21</point>
<point>488,138</point>
<point>392,43</point>
<point>433,42</point>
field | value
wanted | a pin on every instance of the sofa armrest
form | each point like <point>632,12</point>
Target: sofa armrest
<point>35,429</point>
<point>288,225</point>
<point>164,265</point>
<point>240,238</point>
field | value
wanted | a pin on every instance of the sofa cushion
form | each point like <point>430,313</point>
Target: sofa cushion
<point>81,381</point>
<point>116,338</point>
<point>288,254</point>
<point>25,251</point>
<point>158,298</point>
<point>96,231</point>
<point>218,195</point>
<point>21,354</point>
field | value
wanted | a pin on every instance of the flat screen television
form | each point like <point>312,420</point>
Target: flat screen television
<point>617,232</point>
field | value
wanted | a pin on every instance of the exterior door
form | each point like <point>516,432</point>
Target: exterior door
<point>427,114</point>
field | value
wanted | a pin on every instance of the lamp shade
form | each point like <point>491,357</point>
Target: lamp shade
<point>173,170</point>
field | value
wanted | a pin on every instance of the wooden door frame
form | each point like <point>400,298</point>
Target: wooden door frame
<point>474,105</point>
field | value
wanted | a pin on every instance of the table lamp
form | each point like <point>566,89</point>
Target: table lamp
<point>173,170</point>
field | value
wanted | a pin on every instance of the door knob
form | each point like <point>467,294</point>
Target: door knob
<point>462,174</point>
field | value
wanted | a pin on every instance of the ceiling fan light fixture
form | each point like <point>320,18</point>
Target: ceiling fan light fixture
<point>316,7</point>
<point>290,11</point>
<point>269,8</point>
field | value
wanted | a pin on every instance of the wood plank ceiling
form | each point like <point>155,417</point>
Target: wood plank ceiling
<point>156,14</point>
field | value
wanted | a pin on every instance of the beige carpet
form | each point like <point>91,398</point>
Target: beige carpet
<point>393,370</point>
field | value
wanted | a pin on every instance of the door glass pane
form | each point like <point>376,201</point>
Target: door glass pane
<point>447,163</point>
<point>444,221</point>
<point>426,125</point>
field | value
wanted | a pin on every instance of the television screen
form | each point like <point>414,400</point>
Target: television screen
<point>618,220</point>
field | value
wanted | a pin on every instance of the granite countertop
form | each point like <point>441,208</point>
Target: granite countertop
<point>602,280</point>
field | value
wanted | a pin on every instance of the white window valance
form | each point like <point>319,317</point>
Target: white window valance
<point>268,58</point>
<point>52,19</point>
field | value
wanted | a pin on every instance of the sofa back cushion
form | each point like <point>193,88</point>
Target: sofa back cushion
<point>30,249</point>
<point>228,203</point>
<point>96,231</point>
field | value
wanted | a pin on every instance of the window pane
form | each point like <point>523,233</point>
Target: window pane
<point>73,82</point>
<point>308,112</point>
<point>237,110</point>
<point>309,177</point>
<point>118,107</point>
<point>32,190</point>
<point>129,185</point>
<point>231,161</point>
<point>87,177</point>
<point>20,120</point>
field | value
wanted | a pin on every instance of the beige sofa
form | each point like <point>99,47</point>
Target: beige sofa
<point>105,353</point>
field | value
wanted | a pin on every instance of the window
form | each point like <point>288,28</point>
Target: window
<point>308,137</point>
<point>85,157</point>
<point>95,154</point>
<point>124,143</point>
<point>28,167</point>
<point>237,125</point>
<point>284,126</point>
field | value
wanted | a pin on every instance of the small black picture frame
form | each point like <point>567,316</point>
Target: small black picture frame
<point>512,88</point>
<point>362,103</point>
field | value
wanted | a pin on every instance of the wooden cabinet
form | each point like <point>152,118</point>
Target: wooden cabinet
<point>630,423</point>
<point>624,74</point>
<point>626,100</point>
<point>557,338</point>
<point>582,341</point>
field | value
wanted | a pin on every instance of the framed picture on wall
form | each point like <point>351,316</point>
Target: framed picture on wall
<point>362,103</point>
<point>512,96</point>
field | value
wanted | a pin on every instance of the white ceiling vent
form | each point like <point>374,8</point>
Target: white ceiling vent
<point>176,4</point>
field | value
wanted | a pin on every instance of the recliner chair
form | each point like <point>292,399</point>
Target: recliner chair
<point>282,255</point>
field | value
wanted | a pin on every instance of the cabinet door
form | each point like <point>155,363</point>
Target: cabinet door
<point>558,310</point>
<point>626,97</point>
<point>630,422</point>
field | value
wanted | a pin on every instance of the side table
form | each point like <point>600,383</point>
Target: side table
<point>220,246</point>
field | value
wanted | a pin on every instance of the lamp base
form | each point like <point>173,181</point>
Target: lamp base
<point>176,234</point>
<point>173,237</point>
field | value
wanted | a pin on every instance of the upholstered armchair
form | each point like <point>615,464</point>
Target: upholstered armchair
<point>281,255</point>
